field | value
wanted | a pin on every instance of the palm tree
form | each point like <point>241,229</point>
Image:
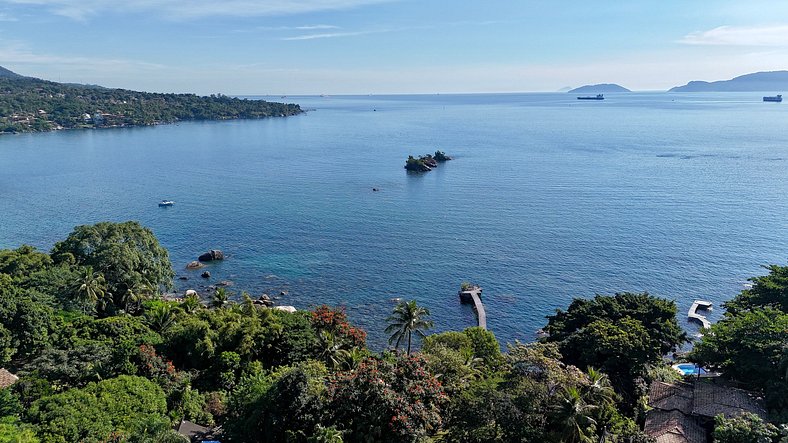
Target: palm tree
<point>330,349</point>
<point>573,418</point>
<point>599,391</point>
<point>160,317</point>
<point>130,300</point>
<point>91,288</point>
<point>350,358</point>
<point>191,303</point>
<point>220,298</point>
<point>406,319</point>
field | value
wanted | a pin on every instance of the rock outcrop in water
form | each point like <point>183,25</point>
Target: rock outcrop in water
<point>213,254</point>
<point>194,265</point>
<point>425,162</point>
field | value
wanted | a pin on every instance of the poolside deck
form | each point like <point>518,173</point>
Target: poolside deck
<point>474,295</point>
<point>693,313</point>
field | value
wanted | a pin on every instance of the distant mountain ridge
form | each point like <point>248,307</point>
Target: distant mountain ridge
<point>757,81</point>
<point>600,88</point>
<point>7,73</point>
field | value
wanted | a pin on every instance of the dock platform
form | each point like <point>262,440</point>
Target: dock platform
<point>693,313</point>
<point>474,295</point>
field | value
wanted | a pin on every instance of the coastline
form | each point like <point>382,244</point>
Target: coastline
<point>143,125</point>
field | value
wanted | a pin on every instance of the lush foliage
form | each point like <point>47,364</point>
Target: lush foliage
<point>750,345</point>
<point>407,319</point>
<point>28,104</point>
<point>103,358</point>
<point>620,334</point>
<point>99,411</point>
<point>391,399</point>
<point>126,257</point>
<point>747,428</point>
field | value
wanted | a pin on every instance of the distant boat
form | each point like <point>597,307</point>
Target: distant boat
<point>777,98</point>
<point>591,97</point>
<point>166,203</point>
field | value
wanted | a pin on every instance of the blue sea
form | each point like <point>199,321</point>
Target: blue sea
<point>548,198</point>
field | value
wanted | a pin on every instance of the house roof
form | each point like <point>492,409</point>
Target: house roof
<point>673,427</point>
<point>671,396</point>
<point>7,378</point>
<point>192,430</point>
<point>679,409</point>
<point>712,399</point>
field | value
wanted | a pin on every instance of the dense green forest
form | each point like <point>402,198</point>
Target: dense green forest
<point>103,358</point>
<point>29,105</point>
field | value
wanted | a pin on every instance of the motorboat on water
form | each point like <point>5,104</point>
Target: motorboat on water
<point>776,98</point>
<point>591,97</point>
<point>166,203</point>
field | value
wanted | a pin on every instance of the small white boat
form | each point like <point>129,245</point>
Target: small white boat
<point>166,203</point>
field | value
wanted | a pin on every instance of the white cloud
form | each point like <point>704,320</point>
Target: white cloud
<point>179,9</point>
<point>740,36</point>
<point>329,35</point>
<point>315,27</point>
<point>7,18</point>
<point>20,56</point>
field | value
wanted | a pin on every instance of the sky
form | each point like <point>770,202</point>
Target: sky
<point>290,47</point>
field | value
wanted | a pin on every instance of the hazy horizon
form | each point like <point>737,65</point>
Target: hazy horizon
<point>311,47</point>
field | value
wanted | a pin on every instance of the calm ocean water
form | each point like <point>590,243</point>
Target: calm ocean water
<point>548,198</point>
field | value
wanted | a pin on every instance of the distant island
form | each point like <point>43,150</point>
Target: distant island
<point>599,89</point>
<point>427,162</point>
<point>30,104</point>
<point>758,81</point>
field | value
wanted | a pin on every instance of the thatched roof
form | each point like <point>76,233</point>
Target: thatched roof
<point>673,427</point>
<point>712,399</point>
<point>7,378</point>
<point>679,409</point>
<point>193,431</point>
<point>671,396</point>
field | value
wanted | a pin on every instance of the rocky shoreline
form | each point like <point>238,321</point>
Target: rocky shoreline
<point>205,291</point>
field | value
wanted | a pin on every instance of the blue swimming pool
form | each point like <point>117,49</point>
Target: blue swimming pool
<point>689,369</point>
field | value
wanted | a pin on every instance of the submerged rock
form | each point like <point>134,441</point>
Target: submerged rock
<point>194,265</point>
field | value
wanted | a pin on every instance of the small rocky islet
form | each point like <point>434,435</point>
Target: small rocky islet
<point>425,163</point>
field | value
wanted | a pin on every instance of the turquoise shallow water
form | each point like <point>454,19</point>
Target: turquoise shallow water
<point>548,198</point>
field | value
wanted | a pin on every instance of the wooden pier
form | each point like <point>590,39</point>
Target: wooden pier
<point>693,313</point>
<point>474,295</point>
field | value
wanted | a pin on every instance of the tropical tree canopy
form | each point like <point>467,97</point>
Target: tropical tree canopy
<point>128,255</point>
<point>407,319</point>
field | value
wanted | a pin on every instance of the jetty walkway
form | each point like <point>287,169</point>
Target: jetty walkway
<point>474,295</point>
<point>693,313</point>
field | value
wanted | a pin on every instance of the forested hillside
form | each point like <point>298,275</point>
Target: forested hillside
<point>101,356</point>
<point>30,105</point>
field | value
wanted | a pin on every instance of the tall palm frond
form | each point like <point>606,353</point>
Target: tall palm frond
<point>406,319</point>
